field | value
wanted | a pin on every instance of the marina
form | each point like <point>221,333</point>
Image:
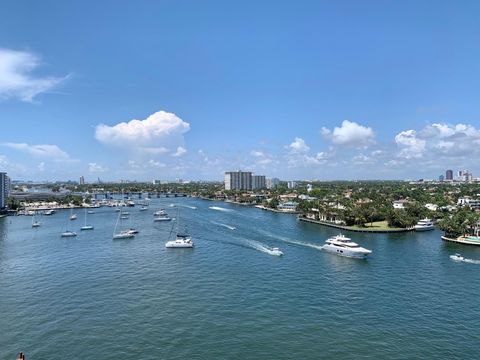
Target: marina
<point>142,280</point>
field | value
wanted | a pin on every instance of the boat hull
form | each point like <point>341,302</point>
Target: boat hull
<point>423,228</point>
<point>345,252</point>
<point>172,244</point>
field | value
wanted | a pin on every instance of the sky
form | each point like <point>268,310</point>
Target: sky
<point>144,90</point>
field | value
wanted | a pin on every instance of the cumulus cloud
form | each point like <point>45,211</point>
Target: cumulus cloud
<point>156,164</point>
<point>411,146</point>
<point>180,151</point>
<point>45,151</point>
<point>350,134</point>
<point>298,146</point>
<point>16,78</point>
<point>440,140</point>
<point>154,135</point>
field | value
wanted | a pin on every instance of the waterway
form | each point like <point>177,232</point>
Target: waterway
<point>91,297</point>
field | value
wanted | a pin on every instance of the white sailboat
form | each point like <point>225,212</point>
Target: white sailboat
<point>85,226</point>
<point>123,234</point>
<point>35,222</point>
<point>72,215</point>
<point>182,239</point>
<point>67,232</point>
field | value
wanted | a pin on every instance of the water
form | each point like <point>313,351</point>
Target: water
<point>90,297</point>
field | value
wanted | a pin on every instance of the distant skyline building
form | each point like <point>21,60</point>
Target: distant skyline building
<point>238,180</point>
<point>272,183</point>
<point>449,175</point>
<point>4,189</point>
<point>292,184</point>
<point>258,182</point>
<point>441,178</point>
<point>82,180</point>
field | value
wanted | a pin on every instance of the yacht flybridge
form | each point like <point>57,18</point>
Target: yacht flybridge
<point>344,246</point>
<point>424,225</point>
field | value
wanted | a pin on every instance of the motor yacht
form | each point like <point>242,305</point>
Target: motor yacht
<point>344,246</point>
<point>159,212</point>
<point>424,225</point>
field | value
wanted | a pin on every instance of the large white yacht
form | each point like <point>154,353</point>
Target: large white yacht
<point>424,225</point>
<point>181,241</point>
<point>344,246</point>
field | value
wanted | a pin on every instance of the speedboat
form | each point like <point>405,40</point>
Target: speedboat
<point>424,225</point>
<point>344,246</point>
<point>143,208</point>
<point>87,227</point>
<point>457,257</point>
<point>69,233</point>
<point>125,234</point>
<point>159,212</point>
<point>73,217</point>
<point>182,241</point>
<point>90,212</point>
<point>276,251</point>
<point>49,212</point>
<point>36,224</point>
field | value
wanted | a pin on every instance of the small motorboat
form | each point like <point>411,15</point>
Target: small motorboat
<point>73,217</point>
<point>87,227</point>
<point>125,234</point>
<point>276,251</point>
<point>457,257</point>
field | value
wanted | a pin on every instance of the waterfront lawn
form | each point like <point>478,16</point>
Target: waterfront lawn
<point>375,226</point>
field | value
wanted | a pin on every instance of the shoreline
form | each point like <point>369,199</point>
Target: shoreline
<point>463,242</point>
<point>348,228</point>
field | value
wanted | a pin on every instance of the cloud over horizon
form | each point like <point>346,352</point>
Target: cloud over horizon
<point>160,133</point>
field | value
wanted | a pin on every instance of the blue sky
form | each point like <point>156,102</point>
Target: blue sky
<point>294,89</point>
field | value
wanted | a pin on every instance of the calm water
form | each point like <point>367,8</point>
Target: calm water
<point>91,297</point>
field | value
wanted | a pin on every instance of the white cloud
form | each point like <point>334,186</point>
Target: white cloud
<point>96,168</point>
<point>180,151</point>
<point>41,166</point>
<point>154,135</point>
<point>156,164</point>
<point>16,79</point>
<point>410,145</point>
<point>154,150</point>
<point>45,151</point>
<point>298,146</point>
<point>257,153</point>
<point>350,134</point>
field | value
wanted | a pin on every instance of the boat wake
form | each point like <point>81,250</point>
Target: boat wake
<point>263,248</point>
<point>291,241</point>
<point>224,225</point>
<point>218,208</point>
<point>462,259</point>
<point>190,207</point>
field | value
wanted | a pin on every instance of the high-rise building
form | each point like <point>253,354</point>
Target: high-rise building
<point>449,175</point>
<point>4,189</point>
<point>238,180</point>
<point>82,180</point>
<point>292,184</point>
<point>272,183</point>
<point>441,178</point>
<point>258,182</point>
